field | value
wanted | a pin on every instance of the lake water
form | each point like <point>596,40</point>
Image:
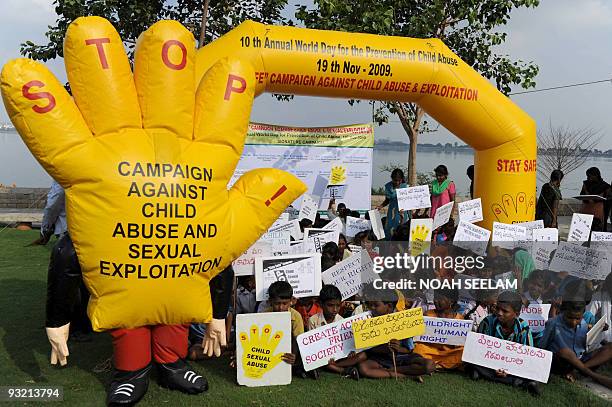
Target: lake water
<point>18,166</point>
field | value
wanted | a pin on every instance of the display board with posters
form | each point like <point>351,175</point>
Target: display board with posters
<point>310,153</point>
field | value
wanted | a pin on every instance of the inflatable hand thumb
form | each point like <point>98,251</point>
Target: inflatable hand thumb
<point>58,337</point>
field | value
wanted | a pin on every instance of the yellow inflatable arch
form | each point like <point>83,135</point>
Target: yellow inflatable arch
<point>145,155</point>
<point>302,61</point>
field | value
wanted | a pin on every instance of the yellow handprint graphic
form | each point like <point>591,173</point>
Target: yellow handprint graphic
<point>420,239</point>
<point>514,209</point>
<point>338,175</point>
<point>258,356</point>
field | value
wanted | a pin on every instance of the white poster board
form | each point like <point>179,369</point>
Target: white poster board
<point>331,341</point>
<point>472,237</point>
<point>245,264</point>
<point>293,226</point>
<point>580,227</point>
<point>536,316</point>
<point>335,224</point>
<point>302,271</point>
<point>356,225</point>
<point>261,340</point>
<point>507,236</point>
<point>545,241</point>
<point>596,334</point>
<point>470,211</point>
<point>315,239</point>
<point>377,226</point>
<point>601,241</point>
<point>413,197</point>
<point>582,262</point>
<point>445,331</point>
<point>443,214</point>
<point>309,208</point>
<point>351,274</point>
<point>515,359</point>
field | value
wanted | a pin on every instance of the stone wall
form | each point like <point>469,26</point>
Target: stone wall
<point>23,198</point>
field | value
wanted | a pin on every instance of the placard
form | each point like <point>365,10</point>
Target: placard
<point>377,226</point>
<point>245,264</point>
<point>398,325</point>
<point>515,359</point>
<point>445,331</point>
<point>331,341</point>
<point>580,227</point>
<point>507,236</point>
<point>470,211</point>
<point>536,316</point>
<point>420,236</point>
<point>545,241</point>
<point>262,339</point>
<point>302,271</point>
<point>442,215</point>
<point>601,240</point>
<point>293,226</point>
<point>472,237</point>
<point>410,198</point>
<point>335,224</point>
<point>356,225</point>
<point>309,208</point>
<point>315,239</point>
<point>530,227</point>
<point>334,192</point>
<point>595,334</point>
<point>351,274</point>
<point>582,262</point>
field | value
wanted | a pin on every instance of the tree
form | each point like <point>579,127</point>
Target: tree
<point>563,148</point>
<point>468,28</point>
<point>131,18</point>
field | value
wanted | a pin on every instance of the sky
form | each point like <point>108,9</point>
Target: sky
<point>568,39</point>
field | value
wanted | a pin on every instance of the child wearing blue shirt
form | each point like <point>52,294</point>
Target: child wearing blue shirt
<point>565,336</point>
<point>505,324</point>
<point>379,363</point>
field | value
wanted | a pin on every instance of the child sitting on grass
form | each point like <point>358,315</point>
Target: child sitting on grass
<point>330,299</point>
<point>565,336</point>
<point>444,356</point>
<point>506,324</point>
<point>379,363</point>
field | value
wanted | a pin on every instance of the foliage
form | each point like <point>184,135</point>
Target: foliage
<point>131,18</point>
<point>470,28</point>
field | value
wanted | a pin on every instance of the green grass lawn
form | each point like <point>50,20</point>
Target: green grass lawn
<point>24,360</point>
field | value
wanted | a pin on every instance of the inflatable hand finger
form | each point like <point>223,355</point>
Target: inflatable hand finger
<point>258,356</point>
<point>512,208</point>
<point>145,159</point>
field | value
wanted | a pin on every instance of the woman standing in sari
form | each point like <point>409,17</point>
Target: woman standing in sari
<point>394,218</point>
<point>595,185</point>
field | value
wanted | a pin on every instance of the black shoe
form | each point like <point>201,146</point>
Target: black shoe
<point>315,374</point>
<point>351,373</point>
<point>474,374</point>
<point>534,389</point>
<point>128,387</point>
<point>180,376</point>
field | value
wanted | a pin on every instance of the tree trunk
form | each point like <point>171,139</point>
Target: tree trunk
<point>412,153</point>
<point>204,21</point>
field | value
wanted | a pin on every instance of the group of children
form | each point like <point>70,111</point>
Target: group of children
<point>497,314</point>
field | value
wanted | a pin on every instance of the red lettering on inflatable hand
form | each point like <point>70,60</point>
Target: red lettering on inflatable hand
<point>166,50</point>
<point>99,43</point>
<point>230,85</point>
<point>25,91</point>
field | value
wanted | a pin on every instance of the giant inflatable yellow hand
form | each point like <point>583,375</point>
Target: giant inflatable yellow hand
<point>145,159</point>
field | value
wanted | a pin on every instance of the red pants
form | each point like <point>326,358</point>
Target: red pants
<point>132,347</point>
